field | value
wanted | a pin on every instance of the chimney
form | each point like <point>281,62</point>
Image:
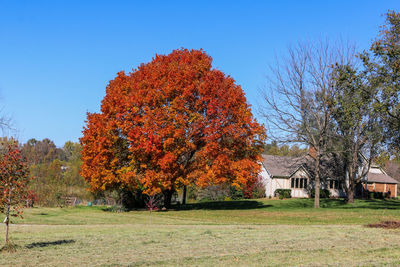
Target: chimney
<point>312,152</point>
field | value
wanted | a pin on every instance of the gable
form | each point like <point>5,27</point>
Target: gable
<point>284,167</point>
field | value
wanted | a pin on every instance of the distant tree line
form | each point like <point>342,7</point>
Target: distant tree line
<point>284,150</point>
<point>55,171</point>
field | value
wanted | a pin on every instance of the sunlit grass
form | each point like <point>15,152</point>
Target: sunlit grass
<point>138,244</point>
<point>291,211</point>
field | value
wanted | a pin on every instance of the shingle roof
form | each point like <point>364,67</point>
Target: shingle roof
<point>381,178</point>
<point>279,166</point>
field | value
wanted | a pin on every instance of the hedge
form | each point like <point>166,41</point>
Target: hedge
<point>283,193</point>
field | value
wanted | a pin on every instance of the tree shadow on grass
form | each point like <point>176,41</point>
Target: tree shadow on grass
<point>378,204</point>
<point>373,204</point>
<point>47,244</point>
<point>340,203</point>
<point>223,205</point>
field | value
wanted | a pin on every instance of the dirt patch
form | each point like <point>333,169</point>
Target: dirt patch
<point>385,224</point>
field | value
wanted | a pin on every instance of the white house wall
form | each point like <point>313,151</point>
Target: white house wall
<point>299,192</point>
<point>272,184</point>
<point>279,183</point>
<point>375,170</point>
<point>337,192</point>
<point>266,180</point>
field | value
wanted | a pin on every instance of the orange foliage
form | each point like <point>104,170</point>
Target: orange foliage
<point>174,121</point>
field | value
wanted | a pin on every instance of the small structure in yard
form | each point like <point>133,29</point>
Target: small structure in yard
<point>70,201</point>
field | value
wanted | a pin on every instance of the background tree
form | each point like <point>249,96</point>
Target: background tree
<point>297,96</point>
<point>383,68</point>
<point>45,151</point>
<point>56,171</point>
<point>13,182</point>
<point>390,162</point>
<point>173,122</point>
<point>284,150</point>
<point>357,126</point>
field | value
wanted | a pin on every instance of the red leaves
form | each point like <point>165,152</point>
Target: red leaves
<point>13,178</point>
<point>173,121</point>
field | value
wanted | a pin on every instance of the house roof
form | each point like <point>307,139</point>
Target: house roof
<point>381,178</point>
<point>279,166</point>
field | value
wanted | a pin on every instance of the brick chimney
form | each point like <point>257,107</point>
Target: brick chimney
<point>312,152</point>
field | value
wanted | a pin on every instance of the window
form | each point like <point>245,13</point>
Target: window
<point>298,183</point>
<point>334,184</point>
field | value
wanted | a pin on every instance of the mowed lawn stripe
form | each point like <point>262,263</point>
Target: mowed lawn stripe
<point>201,245</point>
<point>291,211</point>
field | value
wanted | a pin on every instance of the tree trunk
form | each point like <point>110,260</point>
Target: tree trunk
<point>353,174</point>
<point>350,196</point>
<point>7,221</point>
<point>350,193</point>
<point>167,198</point>
<point>317,182</point>
<point>184,195</point>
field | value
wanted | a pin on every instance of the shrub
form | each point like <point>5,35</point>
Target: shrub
<point>323,193</point>
<point>259,192</point>
<point>216,193</point>
<point>377,195</point>
<point>254,188</point>
<point>283,193</point>
<point>235,193</point>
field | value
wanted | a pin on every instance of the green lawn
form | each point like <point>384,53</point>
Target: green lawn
<point>290,211</point>
<point>246,233</point>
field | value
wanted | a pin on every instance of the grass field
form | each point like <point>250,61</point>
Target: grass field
<point>246,233</point>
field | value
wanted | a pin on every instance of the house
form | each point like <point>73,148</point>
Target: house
<point>377,180</point>
<point>285,173</point>
<point>295,173</point>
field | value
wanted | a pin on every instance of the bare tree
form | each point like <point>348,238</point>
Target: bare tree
<point>6,125</point>
<point>296,100</point>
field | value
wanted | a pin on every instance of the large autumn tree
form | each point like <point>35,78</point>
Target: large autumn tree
<point>172,122</point>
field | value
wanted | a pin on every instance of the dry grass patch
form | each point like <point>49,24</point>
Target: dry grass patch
<point>386,225</point>
<point>202,245</point>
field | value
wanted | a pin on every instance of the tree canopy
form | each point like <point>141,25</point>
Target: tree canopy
<point>383,69</point>
<point>172,122</point>
<point>13,181</point>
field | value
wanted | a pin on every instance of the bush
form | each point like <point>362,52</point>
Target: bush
<point>323,193</point>
<point>235,193</point>
<point>254,188</point>
<point>283,193</point>
<point>377,195</point>
<point>259,192</point>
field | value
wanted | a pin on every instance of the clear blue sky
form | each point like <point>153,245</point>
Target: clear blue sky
<point>56,57</point>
